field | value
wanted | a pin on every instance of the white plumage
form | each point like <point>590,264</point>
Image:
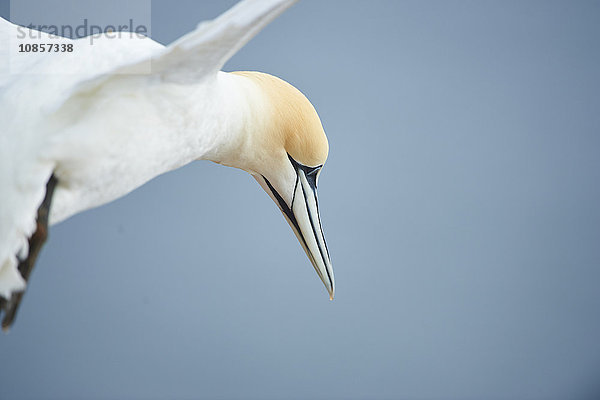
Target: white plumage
<point>110,116</point>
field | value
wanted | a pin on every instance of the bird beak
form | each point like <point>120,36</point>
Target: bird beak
<point>303,216</point>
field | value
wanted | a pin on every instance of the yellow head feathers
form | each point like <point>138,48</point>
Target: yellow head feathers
<point>294,122</point>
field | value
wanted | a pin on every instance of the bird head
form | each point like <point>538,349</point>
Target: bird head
<point>284,150</point>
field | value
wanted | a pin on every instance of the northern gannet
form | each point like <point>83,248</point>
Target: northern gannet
<point>82,128</point>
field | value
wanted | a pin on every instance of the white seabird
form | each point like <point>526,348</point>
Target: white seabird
<point>80,129</point>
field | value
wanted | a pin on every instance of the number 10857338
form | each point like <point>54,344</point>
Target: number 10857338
<point>46,48</point>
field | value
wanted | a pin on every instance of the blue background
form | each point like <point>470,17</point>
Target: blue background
<point>460,204</point>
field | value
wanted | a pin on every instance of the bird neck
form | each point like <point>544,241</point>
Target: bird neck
<point>237,122</point>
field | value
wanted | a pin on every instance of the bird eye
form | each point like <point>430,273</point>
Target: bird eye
<point>311,175</point>
<point>313,171</point>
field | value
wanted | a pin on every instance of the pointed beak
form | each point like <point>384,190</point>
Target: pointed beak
<point>303,216</point>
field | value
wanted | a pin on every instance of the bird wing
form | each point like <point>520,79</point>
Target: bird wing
<point>206,49</point>
<point>23,175</point>
<point>203,52</point>
<point>25,107</point>
<point>31,86</point>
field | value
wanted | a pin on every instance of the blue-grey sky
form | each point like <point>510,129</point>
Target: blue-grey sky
<point>460,204</point>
